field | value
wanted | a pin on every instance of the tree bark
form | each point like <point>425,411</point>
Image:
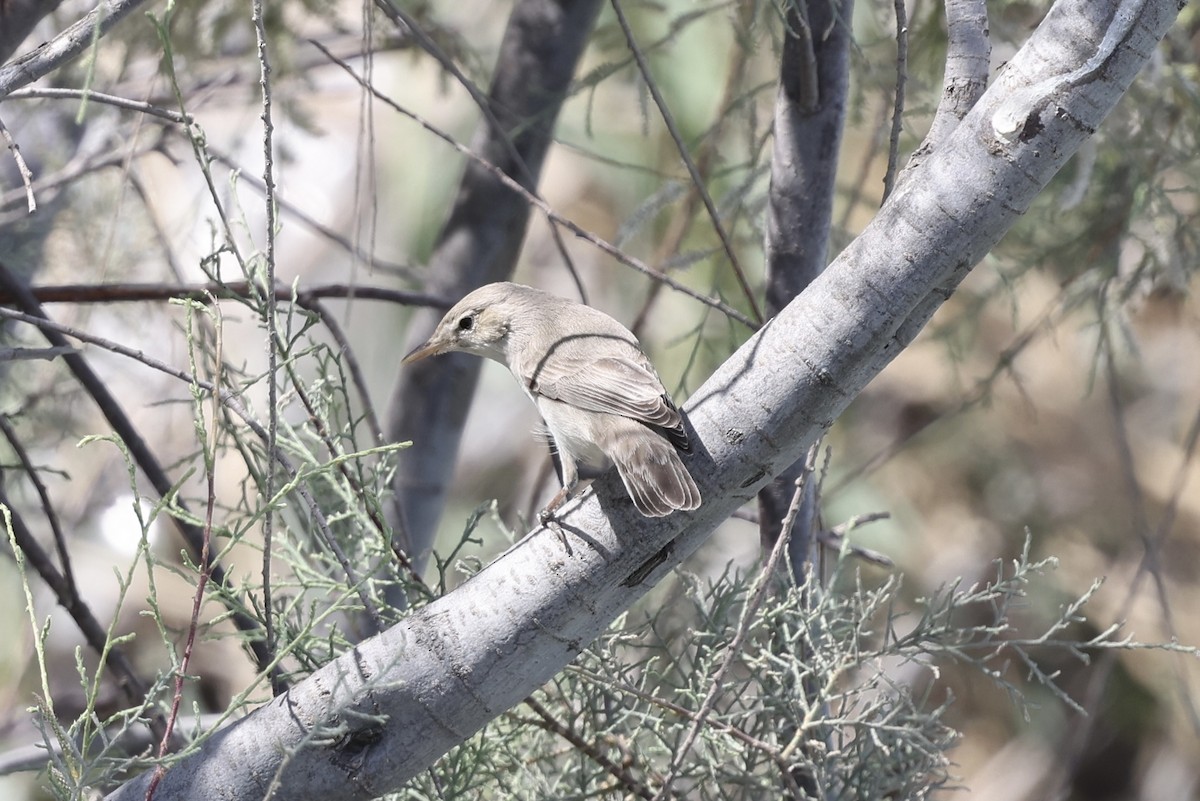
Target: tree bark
<point>18,18</point>
<point>810,111</point>
<point>384,711</point>
<point>66,46</point>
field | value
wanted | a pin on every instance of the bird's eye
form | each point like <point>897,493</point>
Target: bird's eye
<point>466,322</point>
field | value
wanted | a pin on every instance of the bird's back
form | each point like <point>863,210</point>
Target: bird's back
<point>588,360</point>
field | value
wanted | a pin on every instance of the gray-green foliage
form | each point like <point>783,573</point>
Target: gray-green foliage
<point>836,694</point>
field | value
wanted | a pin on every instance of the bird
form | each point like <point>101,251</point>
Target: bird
<point>599,395</point>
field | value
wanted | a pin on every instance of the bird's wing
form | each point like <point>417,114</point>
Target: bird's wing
<point>612,385</point>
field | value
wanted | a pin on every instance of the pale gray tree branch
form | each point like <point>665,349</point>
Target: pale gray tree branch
<point>25,69</point>
<point>22,167</point>
<point>82,95</point>
<point>809,111</point>
<point>968,59</point>
<point>387,709</point>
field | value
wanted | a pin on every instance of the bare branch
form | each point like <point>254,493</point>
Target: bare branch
<point>22,167</point>
<point>889,175</point>
<point>89,96</point>
<point>271,323</point>
<point>65,47</point>
<point>204,293</point>
<point>968,58</point>
<point>60,539</point>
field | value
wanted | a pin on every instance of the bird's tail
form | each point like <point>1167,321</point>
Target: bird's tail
<point>654,476</point>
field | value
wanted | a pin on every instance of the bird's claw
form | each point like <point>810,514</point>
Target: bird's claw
<point>549,520</point>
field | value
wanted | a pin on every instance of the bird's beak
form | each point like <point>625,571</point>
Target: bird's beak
<point>430,348</point>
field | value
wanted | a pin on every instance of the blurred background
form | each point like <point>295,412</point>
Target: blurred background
<point>1056,394</point>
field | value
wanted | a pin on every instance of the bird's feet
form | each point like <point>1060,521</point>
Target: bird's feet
<point>547,519</point>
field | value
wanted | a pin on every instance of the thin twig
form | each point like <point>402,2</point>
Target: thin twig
<point>889,176</point>
<point>60,538</point>
<point>551,724</point>
<point>545,208</point>
<point>682,149</point>
<point>383,265</point>
<point>681,223</point>
<point>160,234</point>
<point>90,96</point>
<point>22,167</point>
<point>365,212</point>
<point>835,537</point>
<point>70,174</point>
<point>181,673</point>
<point>268,179</point>
<point>162,291</point>
<point>28,354</point>
<point>357,377</point>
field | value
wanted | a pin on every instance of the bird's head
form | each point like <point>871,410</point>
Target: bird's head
<point>479,324</point>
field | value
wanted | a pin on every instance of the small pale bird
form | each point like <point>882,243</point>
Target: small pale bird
<point>596,390</point>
